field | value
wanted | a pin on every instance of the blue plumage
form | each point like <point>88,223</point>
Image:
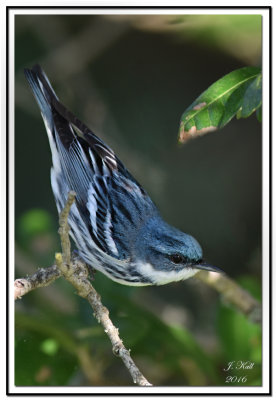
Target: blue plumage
<point>114,223</point>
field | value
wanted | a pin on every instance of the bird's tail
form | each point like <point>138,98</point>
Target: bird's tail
<point>57,118</point>
<point>42,90</point>
<point>53,112</point>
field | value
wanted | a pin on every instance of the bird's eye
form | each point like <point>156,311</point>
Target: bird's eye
<point>176,258</point>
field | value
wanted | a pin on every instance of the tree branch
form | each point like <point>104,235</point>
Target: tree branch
<point>76,272</point>
<point>233,294</point>
<point>42,277</point>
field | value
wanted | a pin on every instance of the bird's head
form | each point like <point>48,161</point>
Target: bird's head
<point>167,254</point>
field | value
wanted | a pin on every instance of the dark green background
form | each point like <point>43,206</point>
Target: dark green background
<point>130,79</point>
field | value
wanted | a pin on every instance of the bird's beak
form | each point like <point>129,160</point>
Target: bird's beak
<point>207,267</point>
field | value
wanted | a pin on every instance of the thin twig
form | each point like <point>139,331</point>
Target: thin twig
<point>233,293</point>
<point>42,277</point>
<point>76,272</point>
<point>64,228</point>
<point>77,275</point>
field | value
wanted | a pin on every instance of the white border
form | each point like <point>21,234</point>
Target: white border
<point>149,390</point>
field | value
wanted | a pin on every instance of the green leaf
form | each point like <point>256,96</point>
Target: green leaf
<point>215,107</point>
<point>259,114</point>
<point>253,97</point>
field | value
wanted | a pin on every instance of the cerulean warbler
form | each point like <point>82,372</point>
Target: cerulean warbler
<point>114,223</point>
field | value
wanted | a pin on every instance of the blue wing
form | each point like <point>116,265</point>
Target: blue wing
<point>110,204</point>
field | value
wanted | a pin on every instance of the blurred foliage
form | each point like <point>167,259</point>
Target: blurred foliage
<point>51,346</point>
<point>238,35</point>
<point>32,223</point>
<point>239,338</point>
<point>131,76</point>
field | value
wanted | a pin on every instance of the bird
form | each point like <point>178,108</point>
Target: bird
<point>117,228</point>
